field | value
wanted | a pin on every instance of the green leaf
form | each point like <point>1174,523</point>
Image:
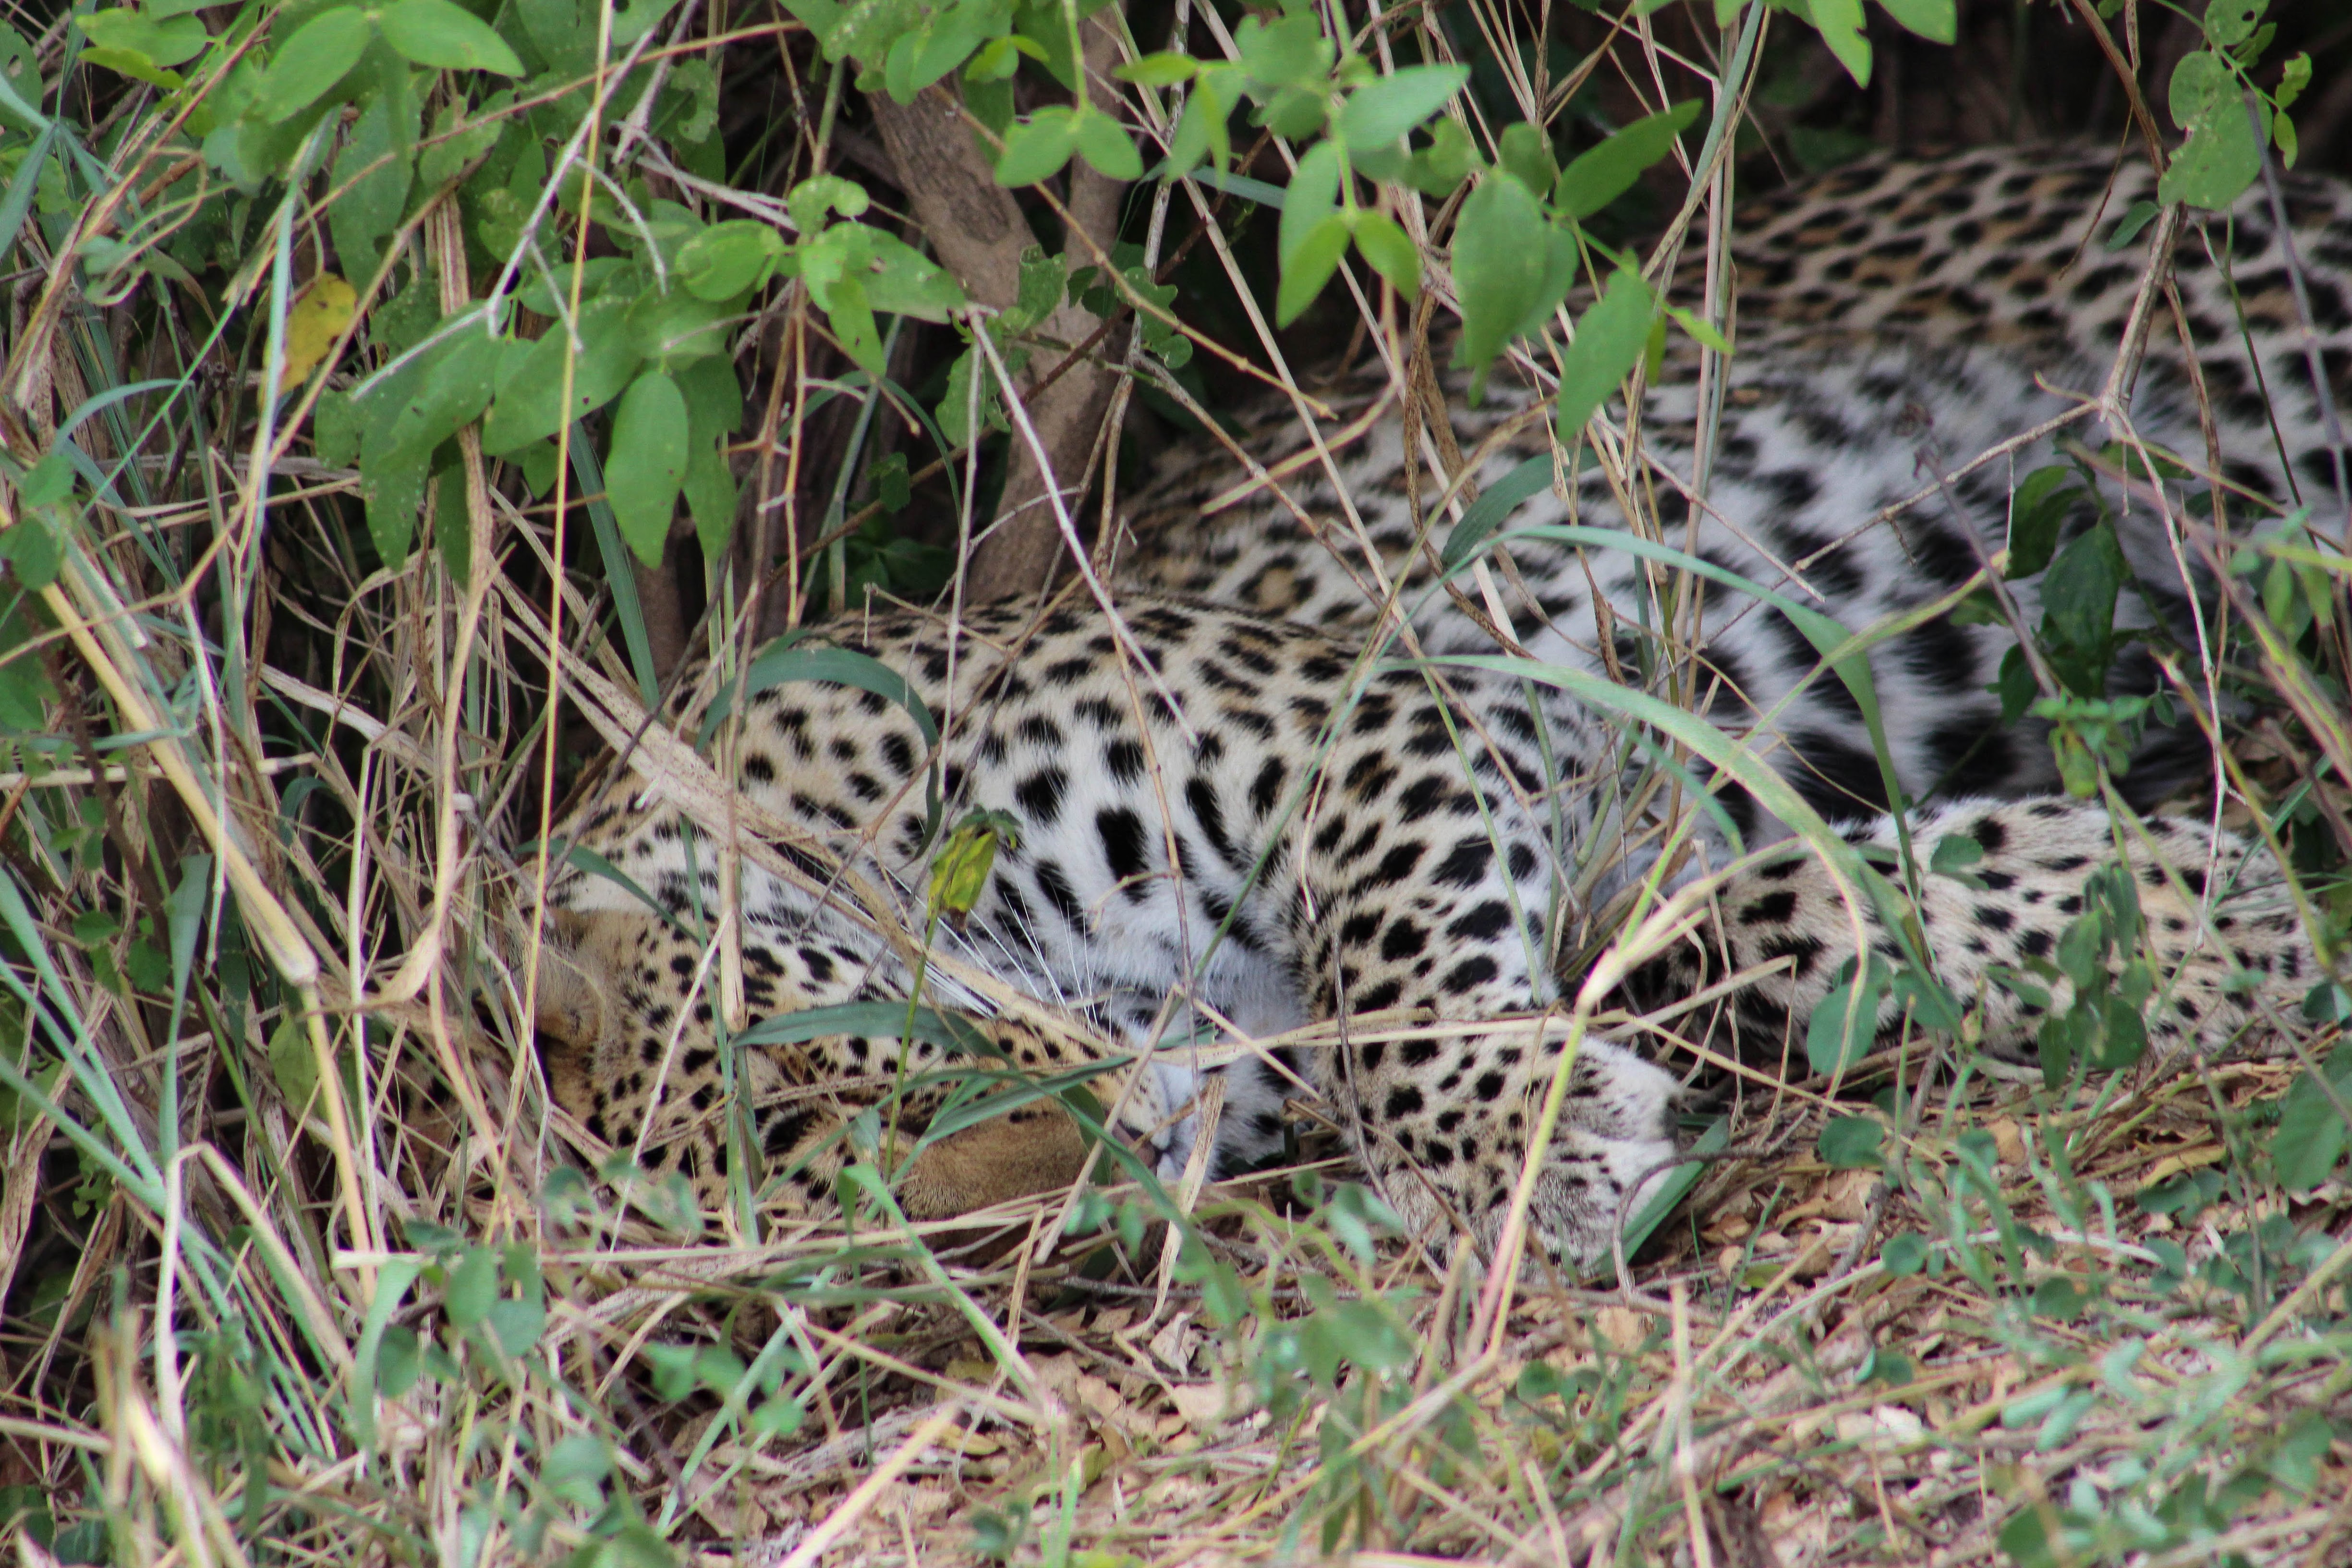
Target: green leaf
<point>292,1063</point>
<point>714,398</point>
<point>1903,1255</point>
<point>1438,169</point>
<point>1309,266</point>
<point>2228,23</point>
<point>373,169</point>
<point>1675,1184</point>
<point>132,64</point>
<point>957,409</point>
<point>1379,112</point>
<point>163,41</point>
<point>398,1364</point>
<point>1953,853</point>
<point>2312,1134</point>
<point>1605,173</point>
<point>473,1287</point>
<point>1699,328</point>
<point>453,527</point>
<point>516,1325</point>
<point>529,405</point>
<point>1036,149</point>
<point>2329,1002</point>
<point>1561,265</point>
<point>1045,27</point>
<point>809,202</point>
<point>456,143</point>
<point>728,258</point>
<point>556,29</point>
<point>2224,150</point>
<point>1163,69</point>
<point>711,497</point>
<point>861,30</point>
<point>1525,150</point>
<point>635,20</point>
<point>1293,52</point>
<point>952,39</point>
<point>2127,228</point>
<point>677,328</point>
<point>1845,1022</point>
<point>905,282</point>
<point>444,35</point>
<point>1495,504</point>
<point>646,468</point>
<point>306,65</point>
<point>392,497</point>
<point>2078,594</point>
<point>993,67</point>
<point>1044,284</point>
<point>1934,19</point>
<point>1502,252</point>
<point>962,866</point>
<point>2037,512</point>
<point>1202,133</point>
<point>1609,341</point>
<point>48,482</point>
<point>1840,22</point>
<point>2294,78</point>
<point>845,306</point>
<point>2202,86</point>
<point>34,555</point>
<point>1390,250</point>
<point>1102,141</point>
<point>1850,1143</point>
<point>2215,167</point>
<point>1313,196</point>
<point>23,688</point>
<point>451,390</point>
<point>2184,1198</point>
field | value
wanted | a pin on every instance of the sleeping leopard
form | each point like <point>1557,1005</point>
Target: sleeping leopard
<point>1246,795</point>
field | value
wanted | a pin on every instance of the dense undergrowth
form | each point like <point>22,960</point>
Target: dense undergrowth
<point>340,338</point>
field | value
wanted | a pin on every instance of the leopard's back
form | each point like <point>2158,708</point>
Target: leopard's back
<point>1897,320</point>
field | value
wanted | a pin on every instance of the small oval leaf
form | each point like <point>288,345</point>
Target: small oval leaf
<point>647,468</point>
<point>1379,112</point>
<point>1609,340</point>
<point>311,62</point>
<point>442,33</point>
<point>1601,176</point>
<point>1502,251</point>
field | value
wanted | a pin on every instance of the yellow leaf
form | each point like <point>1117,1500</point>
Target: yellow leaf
<point>316,320</point>
<point>959,874</point>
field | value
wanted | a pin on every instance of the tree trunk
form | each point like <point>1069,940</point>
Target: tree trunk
<point>978,231</point>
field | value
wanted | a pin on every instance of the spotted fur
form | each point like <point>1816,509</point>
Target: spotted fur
<point>1244,795</point>
<point>2219,948</point>
<point>1894,320</point>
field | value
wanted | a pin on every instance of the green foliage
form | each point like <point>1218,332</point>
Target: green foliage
<point>2315,1124</point>
<point>1850,1143</point>
<point>1605,173</point>
<point>1845,1021</point>
<point>2228,117</point>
